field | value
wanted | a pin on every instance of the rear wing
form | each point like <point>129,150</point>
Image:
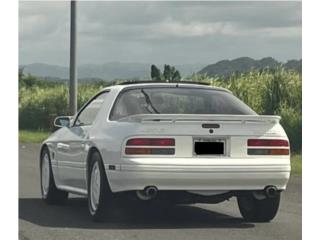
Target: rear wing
<point>152,118</point>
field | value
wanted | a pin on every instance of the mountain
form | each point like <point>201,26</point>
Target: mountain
<point>294,64</point>
<point>225,68</point>
<point>107,71</point>
<point>129,71</point>
<point>46,70</point>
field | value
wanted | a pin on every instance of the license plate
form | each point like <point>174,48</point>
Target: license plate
<point>209,146</point>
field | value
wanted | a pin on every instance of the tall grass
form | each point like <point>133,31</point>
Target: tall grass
<point>267,92</point>
<point>271,92</point>
<point>38,106</point>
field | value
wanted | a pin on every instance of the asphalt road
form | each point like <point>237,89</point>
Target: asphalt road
<point>201,221</point>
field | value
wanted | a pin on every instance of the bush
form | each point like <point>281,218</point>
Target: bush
<point>38,106</point>
<point>267,92</point>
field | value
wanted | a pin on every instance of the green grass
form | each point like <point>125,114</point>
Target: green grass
<point>26,136</point>
<point>296,164</point>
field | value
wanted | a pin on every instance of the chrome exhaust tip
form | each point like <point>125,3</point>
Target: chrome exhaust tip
<point>148,193</point>
<point>271,191</point>
<point>151,191</point>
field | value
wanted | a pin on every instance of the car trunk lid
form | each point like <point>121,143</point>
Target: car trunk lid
<point>195,134</point>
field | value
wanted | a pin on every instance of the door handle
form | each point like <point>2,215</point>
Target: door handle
<point>63,146</point>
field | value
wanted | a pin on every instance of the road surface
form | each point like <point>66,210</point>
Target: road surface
<point>201,221</point>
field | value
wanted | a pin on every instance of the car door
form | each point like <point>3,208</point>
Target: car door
<point>72,148</point>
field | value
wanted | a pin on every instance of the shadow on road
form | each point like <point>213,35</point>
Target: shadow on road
<point>74,215</point>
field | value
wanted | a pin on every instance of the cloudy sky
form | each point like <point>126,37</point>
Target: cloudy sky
<point>160,32</point>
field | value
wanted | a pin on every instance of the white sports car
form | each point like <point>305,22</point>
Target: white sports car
<point>182,142</point>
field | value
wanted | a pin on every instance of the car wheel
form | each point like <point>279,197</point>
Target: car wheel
<point>50,193</point>
<point>99,193</point>
<point>255,210</point>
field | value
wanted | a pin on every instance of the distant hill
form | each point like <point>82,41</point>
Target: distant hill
<point>129,71</point>
<point>245,64</point>
<point>107,71</point>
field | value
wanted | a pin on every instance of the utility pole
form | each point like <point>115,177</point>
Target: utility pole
<point>73,81</point>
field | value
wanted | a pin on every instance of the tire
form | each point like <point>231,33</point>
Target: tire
<point>49,192</point>
<point>255,210</point>
<point>100,197</point>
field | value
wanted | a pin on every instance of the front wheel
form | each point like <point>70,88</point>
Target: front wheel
<point>50,193</point>
<point>255,210</point>
<point>99,193</point>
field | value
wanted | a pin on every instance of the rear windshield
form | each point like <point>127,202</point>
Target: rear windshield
<point>177,100</point>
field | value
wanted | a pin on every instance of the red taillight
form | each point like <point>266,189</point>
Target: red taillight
<point>267,143</point>
<point>268,147</point>
<point>151,146</point>
<point>149,151</point>
<point>151,142</point>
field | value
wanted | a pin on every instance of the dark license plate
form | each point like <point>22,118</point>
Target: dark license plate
<point>209,147</point>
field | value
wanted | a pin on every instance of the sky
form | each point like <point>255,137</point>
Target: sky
<point>160,32</point>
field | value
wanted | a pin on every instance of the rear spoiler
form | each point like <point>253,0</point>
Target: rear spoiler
<point>151,118</point>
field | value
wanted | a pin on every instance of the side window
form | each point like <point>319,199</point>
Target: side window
<point>89,113</point>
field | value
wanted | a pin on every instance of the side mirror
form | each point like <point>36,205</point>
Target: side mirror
<point>62,121</point>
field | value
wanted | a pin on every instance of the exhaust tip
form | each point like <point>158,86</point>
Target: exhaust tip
<point>148,193</point>
<point>151,191</point>
<point>271,191</point>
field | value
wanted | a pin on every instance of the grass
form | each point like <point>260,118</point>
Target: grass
<point>26,136</point>
<point>296,164</point>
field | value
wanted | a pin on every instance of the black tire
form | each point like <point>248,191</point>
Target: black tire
<point>255,210</point>
<point>52,195</point>
<point>102,209</point>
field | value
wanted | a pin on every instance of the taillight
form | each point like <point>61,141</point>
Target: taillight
<point>149,151</point>
<point>150,146</point>
<point>258,151</point>
<point>268,147</point>
<point>151,142</point>
<point>267,143</point>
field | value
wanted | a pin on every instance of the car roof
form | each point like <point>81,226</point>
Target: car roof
<point>130,85</point>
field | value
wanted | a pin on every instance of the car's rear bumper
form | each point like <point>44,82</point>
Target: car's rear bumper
<point>230,175</point>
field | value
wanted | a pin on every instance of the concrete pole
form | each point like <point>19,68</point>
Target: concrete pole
<point>73,81</point>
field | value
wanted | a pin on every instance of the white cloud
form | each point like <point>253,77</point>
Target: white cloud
<point>158,31</point>
<point>173,28</point>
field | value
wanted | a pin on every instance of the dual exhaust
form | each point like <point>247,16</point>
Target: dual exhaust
<point>150,192</point>
<point>147,193</point>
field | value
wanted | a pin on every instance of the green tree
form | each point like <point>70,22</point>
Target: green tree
<point>155,73</point>
<point>171,74</point>
<point>166,72</point>
<point>176,76</point>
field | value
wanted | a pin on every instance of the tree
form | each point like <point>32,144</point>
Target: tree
<point>176,76</point>
<point>155,73</point>
<point>170,74</point>
<point>166,72</point>
<point>21,74</point>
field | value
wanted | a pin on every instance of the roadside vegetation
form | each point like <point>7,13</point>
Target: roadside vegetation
<point>296,164</point>
<point>276,91</point>
<point>29,136</point>
<point>269,92</point>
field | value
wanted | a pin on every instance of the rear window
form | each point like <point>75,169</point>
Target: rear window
<point>178,100</point>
